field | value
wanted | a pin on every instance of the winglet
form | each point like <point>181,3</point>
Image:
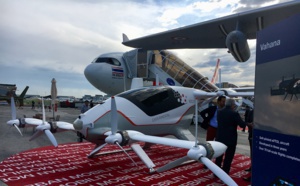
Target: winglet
<point>125,38</point>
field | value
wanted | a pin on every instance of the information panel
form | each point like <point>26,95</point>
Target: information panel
<point>276,135</point>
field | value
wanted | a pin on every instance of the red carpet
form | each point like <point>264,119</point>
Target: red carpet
<point>68,165</point>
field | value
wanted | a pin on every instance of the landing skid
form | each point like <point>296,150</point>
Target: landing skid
<point>111,152</point>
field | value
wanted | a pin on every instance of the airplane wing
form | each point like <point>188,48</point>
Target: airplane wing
<point>212,33</point>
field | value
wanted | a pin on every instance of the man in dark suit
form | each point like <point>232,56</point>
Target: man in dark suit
<point>246,115</point>
<point>228,120</point>
<point>209,116</point>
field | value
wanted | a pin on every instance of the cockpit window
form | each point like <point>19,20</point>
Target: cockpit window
<point>111,61</point>
<point>154,101</point>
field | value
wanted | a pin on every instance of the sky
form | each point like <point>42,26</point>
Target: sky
<point>41,40</point>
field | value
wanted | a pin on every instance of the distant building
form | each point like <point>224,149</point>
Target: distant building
<point>226,85</point>
<point>66,98</point>
<point>87,97</point>
<point>98,98</point>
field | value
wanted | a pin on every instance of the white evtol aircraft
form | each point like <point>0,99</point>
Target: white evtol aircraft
<point>142,115</point>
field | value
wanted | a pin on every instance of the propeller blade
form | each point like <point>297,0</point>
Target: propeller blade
<point>126,154</point>
<point>35,135</point>
<point>114,115</point>
<point>13,108</point>
<point>96,150</point>
<point>142,155</point>
<point>218,171</point>
<point>51,137</point>
<point>172,164</point>
<point>18,129</point>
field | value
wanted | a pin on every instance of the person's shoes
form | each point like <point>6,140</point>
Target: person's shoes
<point>247,178</point>
<point>248,170</point>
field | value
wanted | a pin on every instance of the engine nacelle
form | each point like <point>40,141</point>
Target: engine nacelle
<point>237,44</point>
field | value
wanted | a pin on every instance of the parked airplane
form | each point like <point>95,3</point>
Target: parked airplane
<point>119,69</point>
<point>229,32</point>
<point>146,62</point>
<point>8,90</point>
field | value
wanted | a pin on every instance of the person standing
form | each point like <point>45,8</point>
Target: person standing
<point>85,107</point>
<point>32,104</point>
<point>246,115</point>
<point>91,104</point>
<point>209,116</point>
<point>228,120</point>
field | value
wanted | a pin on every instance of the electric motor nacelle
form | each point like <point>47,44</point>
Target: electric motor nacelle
<point>237,44</point>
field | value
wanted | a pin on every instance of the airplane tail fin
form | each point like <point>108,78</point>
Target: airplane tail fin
<point>22,95</point>
<point>125,38</point>
<point>216,73</point>
<point>24,92</point>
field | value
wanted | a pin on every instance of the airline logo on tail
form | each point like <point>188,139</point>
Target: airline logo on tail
<point>216,73</point>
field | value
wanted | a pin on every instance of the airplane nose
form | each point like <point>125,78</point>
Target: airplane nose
<point>90,73</point>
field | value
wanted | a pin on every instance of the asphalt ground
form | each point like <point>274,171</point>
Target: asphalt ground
<point>11,142</point>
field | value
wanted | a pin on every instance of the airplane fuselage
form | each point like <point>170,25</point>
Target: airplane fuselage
<point>155,111</point>
<point>113,73</point>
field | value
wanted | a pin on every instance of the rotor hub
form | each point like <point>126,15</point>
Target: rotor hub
<point>209,150</point>
<point>125,137</point>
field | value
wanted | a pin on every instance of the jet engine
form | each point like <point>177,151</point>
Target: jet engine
<point>236,42</point>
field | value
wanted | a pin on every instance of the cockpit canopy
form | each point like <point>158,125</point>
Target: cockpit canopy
<point>154,101</point>
<point>111,61</point>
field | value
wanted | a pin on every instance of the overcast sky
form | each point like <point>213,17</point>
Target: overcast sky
<point>41,40</point>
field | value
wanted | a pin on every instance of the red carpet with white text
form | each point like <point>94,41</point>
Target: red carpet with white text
<point>68,165</point>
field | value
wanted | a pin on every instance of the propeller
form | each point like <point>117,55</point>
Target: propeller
<point>113,137</point>
<point>14,121</point>
<point>203,153</point>
<point>122,138</point>
<point>44,127</point>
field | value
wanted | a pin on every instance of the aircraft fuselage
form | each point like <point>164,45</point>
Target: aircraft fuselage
<point>155,111</point>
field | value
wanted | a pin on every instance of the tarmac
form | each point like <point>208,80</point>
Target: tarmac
<point>12,142</point>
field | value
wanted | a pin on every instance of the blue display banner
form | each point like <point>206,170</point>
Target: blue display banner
<point>276,135</point>
<point>279,41</point>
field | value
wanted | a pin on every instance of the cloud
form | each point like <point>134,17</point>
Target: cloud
<point>45,39</point>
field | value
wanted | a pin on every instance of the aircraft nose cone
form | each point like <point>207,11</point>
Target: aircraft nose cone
<point>89,73</point>
<point>94,74</point>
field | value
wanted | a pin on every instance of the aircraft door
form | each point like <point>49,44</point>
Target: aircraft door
<point>142,64</point>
